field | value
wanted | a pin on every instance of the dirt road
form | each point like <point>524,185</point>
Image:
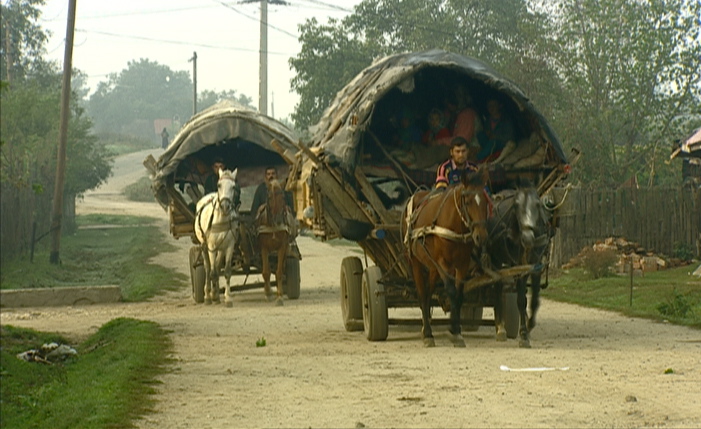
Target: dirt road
<point>609,371</point>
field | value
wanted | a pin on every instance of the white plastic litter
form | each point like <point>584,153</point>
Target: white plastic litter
<point>506,368</point>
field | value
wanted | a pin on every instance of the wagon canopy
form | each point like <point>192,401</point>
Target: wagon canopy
<point>340,130</point>
<point>241,136</point>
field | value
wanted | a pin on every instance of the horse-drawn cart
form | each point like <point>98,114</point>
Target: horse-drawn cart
<point>358,181</point>
<point>247,142</point>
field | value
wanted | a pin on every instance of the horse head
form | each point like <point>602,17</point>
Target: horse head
<point>475,204</point>
<point>276,202</point>
<point>227,191</point>
<point>530,218</point>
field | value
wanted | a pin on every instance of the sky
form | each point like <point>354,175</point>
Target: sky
<point>225,35</point>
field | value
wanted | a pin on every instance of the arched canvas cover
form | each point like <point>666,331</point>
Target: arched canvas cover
<point>219,125</point>
<point>340,129</point>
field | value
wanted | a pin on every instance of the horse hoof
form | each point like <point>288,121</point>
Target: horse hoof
<point>229,304</point>
<point>457,340</point>
<point>279,302</point>
<point>208,301</point>
<point>524,344</point>
<point>501,336</point>
<point>429,342</point>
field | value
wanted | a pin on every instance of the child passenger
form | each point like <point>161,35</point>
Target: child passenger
<point>437,128</point>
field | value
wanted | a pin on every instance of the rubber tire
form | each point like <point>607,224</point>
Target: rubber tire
<point>291,286</point>
<point>375,320</point>
<point>351,293</point>
<point>469,314</point>
<point>511,315</point>
<point>197,276</point>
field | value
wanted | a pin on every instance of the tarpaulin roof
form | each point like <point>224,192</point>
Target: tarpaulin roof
<point>340,129</point>
<point>224,121</point>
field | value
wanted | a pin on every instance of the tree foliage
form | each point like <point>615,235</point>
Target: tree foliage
<point>22,38</point>
<point>208,98</point>
<point>129,101</point>
<point>29,126</point>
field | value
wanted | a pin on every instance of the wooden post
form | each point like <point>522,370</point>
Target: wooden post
<point>57,213</point>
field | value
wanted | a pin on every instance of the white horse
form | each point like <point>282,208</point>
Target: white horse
<point>216,227</point>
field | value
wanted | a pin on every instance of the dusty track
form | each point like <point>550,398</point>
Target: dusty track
<point>313,373</point>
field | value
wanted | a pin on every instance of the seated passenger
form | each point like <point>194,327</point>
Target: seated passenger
<point>467,122</point>
<point>436,127</point>
<point>497,132</point>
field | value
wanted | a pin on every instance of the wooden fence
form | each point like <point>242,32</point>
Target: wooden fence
<point>658,219</point>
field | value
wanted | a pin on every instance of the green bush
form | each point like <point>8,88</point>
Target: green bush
<point>140,191</point>
<point>679,306</point>
<point>683,251</point>
<point>599,263</point>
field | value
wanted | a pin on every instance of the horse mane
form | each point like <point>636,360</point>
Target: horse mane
<point>475,178</point>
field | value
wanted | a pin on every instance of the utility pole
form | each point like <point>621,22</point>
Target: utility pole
<point>263,72</point>
<point>263,62</point>
<point>62,137</point>
<point>194,81</point>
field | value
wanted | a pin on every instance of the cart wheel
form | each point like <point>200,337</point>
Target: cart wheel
<point>351,293</point>
<point>292,278</point>
<point>197,275</point>
<point>374,305</point>
<point>511,316</point>
<point>471,317</point>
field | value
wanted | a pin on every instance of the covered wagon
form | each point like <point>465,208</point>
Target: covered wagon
<point>356,179</point>
<point>245,140</point>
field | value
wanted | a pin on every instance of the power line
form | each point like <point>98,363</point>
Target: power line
<point>174,42</point>
<point>267,24</point>
<point>329,5</point>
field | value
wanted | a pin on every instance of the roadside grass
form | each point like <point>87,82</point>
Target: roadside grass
<point>672,295</point>
<point>106,250</point>
<point>108,384</point>
<point>119,144</point>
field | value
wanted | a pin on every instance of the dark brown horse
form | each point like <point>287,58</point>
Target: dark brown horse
<point>444,232</point>
<point>519,234</point>
<point>274,229</point>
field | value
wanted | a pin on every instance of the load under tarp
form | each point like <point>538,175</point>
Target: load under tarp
<point>340,130</point>
<point>221,124</point>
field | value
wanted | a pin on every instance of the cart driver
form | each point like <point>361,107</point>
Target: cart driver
<point>261,195</point>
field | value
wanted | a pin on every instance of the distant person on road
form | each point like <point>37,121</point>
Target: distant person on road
<point>164,138</point>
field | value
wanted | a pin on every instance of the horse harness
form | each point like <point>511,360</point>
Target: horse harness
<point>420,233</point>
<point>226,226</point>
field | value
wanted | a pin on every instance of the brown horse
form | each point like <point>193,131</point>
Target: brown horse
<point>444,232</point>
<point>274,231</point>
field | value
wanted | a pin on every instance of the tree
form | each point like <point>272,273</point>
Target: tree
<point>631,71</point>
<point>29,123</point>
<point>128,102</point>
<point>503,34</point>
<point>208,98</point>
<point>22,38</point>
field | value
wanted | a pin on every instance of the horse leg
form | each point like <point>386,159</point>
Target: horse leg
<point>455,309</point>
<point>521,289</point>
<point>207,276</point>
<point>266,270</point>
<point>216,264</point>
<point>424,302</point>
<point>535,300</point>
<point>499,312</point>
<point>280,270</point>
<point>227,273</point>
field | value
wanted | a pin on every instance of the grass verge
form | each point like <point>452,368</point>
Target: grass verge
<point>106,250</point>
<point>107,384</point>
<point>140,191</point>
<point>673,295</point>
